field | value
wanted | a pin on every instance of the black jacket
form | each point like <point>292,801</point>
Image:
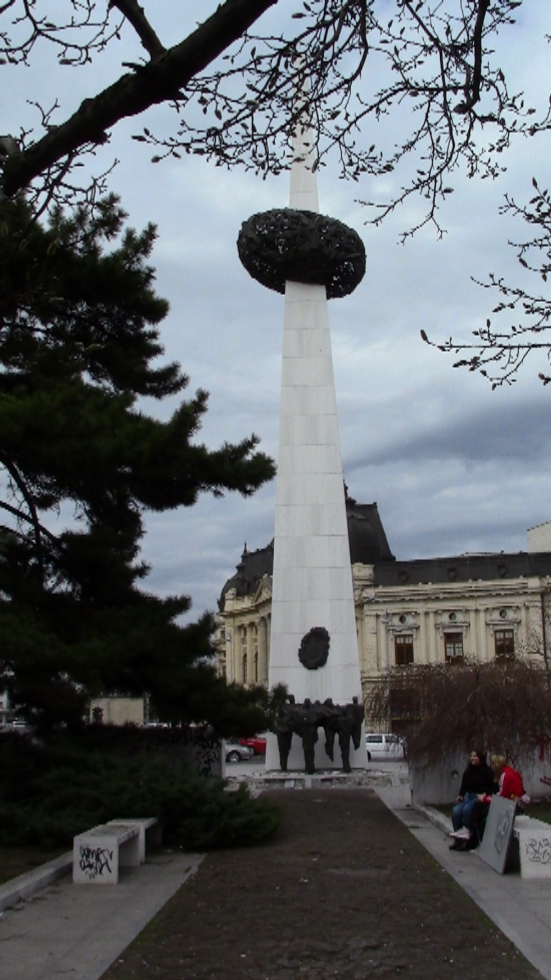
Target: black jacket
<point>477,779</point>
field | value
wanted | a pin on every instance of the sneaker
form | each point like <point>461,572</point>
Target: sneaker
<point>462,834</point>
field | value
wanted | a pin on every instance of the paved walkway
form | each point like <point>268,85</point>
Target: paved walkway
<point>77,932</point>
<point>520,907</point>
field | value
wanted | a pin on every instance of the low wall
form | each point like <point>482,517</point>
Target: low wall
<point>198,746</point>
<point>119,711</point>
<point>437,785</point>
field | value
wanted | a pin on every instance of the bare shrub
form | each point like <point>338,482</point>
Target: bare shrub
<point>501,705</point>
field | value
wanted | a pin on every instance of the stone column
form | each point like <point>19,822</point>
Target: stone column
<point>471,647</point>
<point>230,666</point>
<point>263,652</point>
<point>249,649</point>
<point>484,635</point>
<point>432,639</point>
<point>522,634</point>
<point>238,648</point>
<point>423,639</point>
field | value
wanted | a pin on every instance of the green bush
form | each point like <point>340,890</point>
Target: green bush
<point>51,791</point>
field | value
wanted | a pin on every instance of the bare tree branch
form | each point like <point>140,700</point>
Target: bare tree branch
<point>498,353</point>
<point>473,95</point>
<point>135,15</point>
<point>365,62</point>
<point>76,38</point>
<point>156,82</point>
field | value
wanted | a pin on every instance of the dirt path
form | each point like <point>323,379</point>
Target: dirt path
<point>344,891</point>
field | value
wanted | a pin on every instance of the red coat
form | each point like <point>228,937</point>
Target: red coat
<point>510,784</point>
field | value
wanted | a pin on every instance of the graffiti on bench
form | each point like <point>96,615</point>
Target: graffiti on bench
<point>539,850</point>
<point>95,860</point>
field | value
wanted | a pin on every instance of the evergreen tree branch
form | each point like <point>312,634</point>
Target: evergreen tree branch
<point>21,516</point>
<point>17,478</point>
<point>84,333</point>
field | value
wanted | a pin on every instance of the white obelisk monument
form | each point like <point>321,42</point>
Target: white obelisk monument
<point>312,579</point>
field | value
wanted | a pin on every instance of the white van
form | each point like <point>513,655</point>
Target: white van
<point>382,745</point>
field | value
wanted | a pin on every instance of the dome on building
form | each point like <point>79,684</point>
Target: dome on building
<point>366,537</point>
<point>250,570</point>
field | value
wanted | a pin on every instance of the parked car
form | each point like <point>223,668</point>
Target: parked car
<point>257,743</point>
<point>238,753</point>
<point>383,745</point>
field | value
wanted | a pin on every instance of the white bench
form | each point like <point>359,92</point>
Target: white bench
<point>149,832</point>
<point>100,852</point>
<point>534,842</point>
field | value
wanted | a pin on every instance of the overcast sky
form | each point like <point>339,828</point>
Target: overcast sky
<point>453,466</point>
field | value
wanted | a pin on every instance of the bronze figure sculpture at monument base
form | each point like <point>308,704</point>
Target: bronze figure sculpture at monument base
<point>284,731</point>
<point>342,721</point>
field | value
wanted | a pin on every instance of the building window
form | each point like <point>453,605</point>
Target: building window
<point>256,666</point>
<point>405,707</point>
<point>244,668</point>
<point>453,645</point>
<point>404,649</point>
<point>505,643</point>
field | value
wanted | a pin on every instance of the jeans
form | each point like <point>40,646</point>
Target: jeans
<point>463,812</point>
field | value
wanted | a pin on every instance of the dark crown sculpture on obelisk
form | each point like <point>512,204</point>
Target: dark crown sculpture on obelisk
<point>314,646</point>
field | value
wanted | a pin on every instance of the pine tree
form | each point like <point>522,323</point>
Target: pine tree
<point>79,341</point>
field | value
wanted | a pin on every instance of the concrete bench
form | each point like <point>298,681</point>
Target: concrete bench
<point>534,843</point>
<point>101,851</point>
<point>149,832</point>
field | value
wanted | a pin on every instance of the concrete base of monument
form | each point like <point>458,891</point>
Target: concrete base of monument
<point>390,780</point>
<point>324,779</point>
<point>322,762</point>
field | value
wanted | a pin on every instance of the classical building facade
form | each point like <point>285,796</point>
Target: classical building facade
<point>433,610</point>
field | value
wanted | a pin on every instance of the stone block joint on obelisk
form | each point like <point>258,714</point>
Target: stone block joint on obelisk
<point>311,258</point>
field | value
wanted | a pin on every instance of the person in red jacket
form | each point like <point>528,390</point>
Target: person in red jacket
<point>508,779</point>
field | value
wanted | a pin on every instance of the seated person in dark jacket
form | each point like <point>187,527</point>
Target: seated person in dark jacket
<point>478,780</point>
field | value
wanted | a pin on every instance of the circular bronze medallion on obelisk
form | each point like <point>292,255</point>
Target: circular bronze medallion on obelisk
<point>314,648</point>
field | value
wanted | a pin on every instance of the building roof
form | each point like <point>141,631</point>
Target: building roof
<point>366,536</point>
<point>463,568</point>
<point>250,570</point>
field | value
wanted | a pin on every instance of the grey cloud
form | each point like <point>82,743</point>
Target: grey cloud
<point>453,467</point>
<point>508,430</point>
